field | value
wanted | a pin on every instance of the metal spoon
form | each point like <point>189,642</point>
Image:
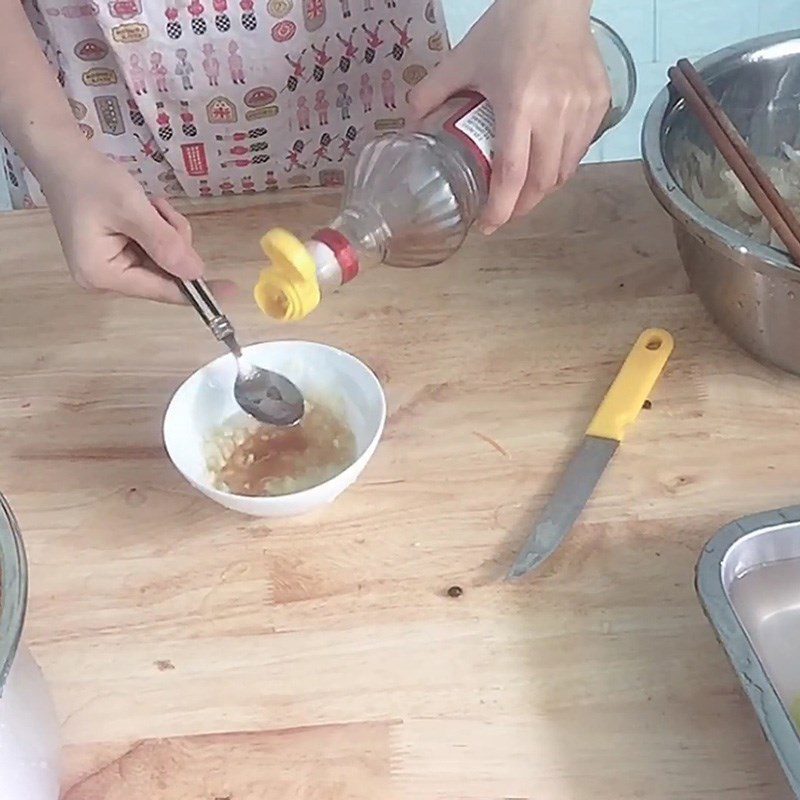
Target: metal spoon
<point>263,394</point>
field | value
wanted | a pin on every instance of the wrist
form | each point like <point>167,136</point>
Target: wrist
<point>559,13</point>
<point>59,155</point>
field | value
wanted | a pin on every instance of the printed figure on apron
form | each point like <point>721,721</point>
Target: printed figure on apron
<point>158,71</point>
<point>198,24</point>
<point>134,113</point>
<point>366,93</point>
<point>293,158</point>
<point>135,63</point>
<point>321,106</point>
<point>138,82</point>
<point>374,41</point>
<point>235,64</point>
<point>345,146</point>
<point>321,60</point>
<point>150,148</point>
<point>222,21</point>
<point>388,90</point>
<point>321,153</point>
<point>344,100</point>
<point>163,121</point>
<point>249,19</point>
<point>350,50</point>
<point>403,41</point>
<point>184,69</point>
<point>187,121</point>
<point>210,65</point>
<point>174,27</point>
<point>298,71</point>
<point>303,114</point>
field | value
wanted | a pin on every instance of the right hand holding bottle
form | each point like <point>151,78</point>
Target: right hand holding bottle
<point>114,238</point>
<point>538,64</point>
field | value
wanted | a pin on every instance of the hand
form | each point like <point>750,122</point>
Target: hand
<point>537,63</point>
<point>114,238</point>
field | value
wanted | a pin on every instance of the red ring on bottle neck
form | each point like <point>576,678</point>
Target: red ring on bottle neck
<point>345,252</point>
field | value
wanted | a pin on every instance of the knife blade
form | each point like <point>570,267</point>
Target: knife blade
<point>619,409</point>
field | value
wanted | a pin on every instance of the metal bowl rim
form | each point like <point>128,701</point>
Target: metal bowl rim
<point>669,192</point>
<point>713,595</point>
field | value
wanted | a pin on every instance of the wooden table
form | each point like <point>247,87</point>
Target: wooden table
<point>198,655</point>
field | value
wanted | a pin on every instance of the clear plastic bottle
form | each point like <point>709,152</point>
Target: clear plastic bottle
<point>411,198</point>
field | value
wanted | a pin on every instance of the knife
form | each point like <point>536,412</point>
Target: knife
<point>619,409</point>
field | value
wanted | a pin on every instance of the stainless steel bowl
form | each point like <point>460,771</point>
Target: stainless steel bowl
<point>751,290</point>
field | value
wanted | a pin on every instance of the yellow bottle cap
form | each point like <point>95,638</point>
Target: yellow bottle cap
<point>288,288</point>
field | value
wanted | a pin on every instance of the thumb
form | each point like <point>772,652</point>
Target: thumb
<point>438,87</point>
<point>166,246</point>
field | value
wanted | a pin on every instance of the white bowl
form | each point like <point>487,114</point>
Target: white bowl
<point>204,404</point>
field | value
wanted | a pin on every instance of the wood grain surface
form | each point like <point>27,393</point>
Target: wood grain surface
<point>198,655</point>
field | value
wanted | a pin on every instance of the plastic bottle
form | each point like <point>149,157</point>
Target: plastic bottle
<point>411,198</point>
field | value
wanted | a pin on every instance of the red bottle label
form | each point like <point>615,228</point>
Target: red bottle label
<point>474,126</point>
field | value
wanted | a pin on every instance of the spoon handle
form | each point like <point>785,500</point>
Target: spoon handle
<point>203,301</point>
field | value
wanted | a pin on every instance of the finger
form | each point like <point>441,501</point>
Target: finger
<point>168,249</point>
<point>509,170</point>
<point>547,145</point>
<point>149,285</point>
<point>96,271</point>
<point>137,259</point>
<point>173,217</point>
<point>438,87</point>
<point>531,195</point>
<point>226,289</point>
<point>579,137</point>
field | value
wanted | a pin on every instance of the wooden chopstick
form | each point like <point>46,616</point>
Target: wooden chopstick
<point>739,156</point>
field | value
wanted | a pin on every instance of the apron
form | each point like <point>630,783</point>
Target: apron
<point>203,98</point>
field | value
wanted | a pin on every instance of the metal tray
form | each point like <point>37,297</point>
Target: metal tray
<point>748,581</point>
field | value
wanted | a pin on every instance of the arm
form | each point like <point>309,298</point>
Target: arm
<point>113,238</point>
<point>538,64</point>
<point>34,114</point>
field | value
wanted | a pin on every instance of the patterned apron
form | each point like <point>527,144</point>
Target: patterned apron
<point>238,98</point>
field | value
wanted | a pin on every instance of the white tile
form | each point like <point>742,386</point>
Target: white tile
<point>634,21</point>
<point>622,142</point>
<point>595,154</point>
<point>461,15</point>
<point>693,28</point>
<point>778,15</point>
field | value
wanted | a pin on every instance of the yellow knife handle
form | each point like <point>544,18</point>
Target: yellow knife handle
<point>632,386</point>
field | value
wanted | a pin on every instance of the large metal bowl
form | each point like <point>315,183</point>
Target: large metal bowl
<point>751,290</point>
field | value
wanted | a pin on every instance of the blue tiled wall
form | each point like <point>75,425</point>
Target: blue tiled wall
<point>658,33</point>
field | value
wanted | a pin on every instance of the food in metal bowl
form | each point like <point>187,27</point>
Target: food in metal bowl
<point>714,186</point>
